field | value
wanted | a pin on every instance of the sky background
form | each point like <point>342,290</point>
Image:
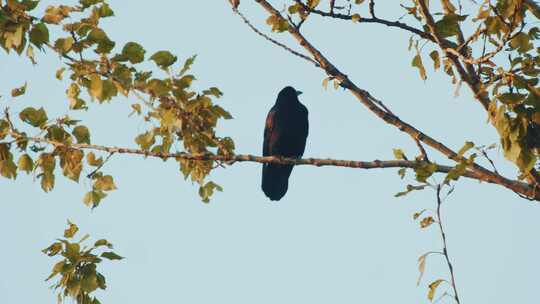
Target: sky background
<point>338,236</point>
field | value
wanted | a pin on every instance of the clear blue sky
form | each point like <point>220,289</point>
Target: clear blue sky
<point>338,236</point>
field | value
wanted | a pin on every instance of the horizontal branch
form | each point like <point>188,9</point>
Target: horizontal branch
<point>231,159</point>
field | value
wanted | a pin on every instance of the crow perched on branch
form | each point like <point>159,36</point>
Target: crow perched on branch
<point>285,135</point>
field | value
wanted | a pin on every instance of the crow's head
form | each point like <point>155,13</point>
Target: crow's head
<point>288,95</point>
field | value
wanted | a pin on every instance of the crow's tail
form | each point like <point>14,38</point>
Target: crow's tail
<point>275,180</point>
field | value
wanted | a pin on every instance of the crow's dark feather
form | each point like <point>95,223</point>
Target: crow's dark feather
<point>285,135</point>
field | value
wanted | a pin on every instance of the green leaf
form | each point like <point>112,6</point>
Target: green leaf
<point>96,86</point>
<point>102,242</point>
<point>133,52</point>
<point>88,3</point>
<point>157,87</point>
<point>111,255</point>
<point>511,98</point>
<point>57,133</point>
<point>145,140</point>
<point>399,154</point>
<point>89,283</point>
<point>93,161</point>
<point>82,134</point>
<point>105,11</point>
<point>105,183</point>
<point>521,42</point>
<point>64,45</point>
<point>47,181</point>
<point>55,14</point>
<point>424,171</point>
<point>163,59</point>
<point>187,65</point>
<point>449,25</point>
<point>33,117</point>
<point>206,191</point>
<point>432,288</point>
<point>53,250</point>
<point>30,54</point>
<point>71,163</point>
<point>93,198</point>
<point>4,128</point>
<point>221,112</point>
<point>71,230</point>
<point>213,91</point>
<point>417,62</point>
<point>8,169</point>
<point>466,147</point>
<point>73,251</point>
<point>401,172</point>
<point>278,23</point>
<point>436,59</point>
<point>19,91</point>
<point>39,35</point>
<point>409,189</point>
<point>25,163</point>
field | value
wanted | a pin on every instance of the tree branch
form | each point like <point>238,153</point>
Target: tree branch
<point>519,187</point>
<point>373,19</point>
<point>445,246</point>
<point>367,100</point>
<point>281,45</point>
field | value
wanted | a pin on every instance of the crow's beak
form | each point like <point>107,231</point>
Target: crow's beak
<point>298,93</point>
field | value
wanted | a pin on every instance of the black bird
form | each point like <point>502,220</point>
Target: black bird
<point>285,135</point>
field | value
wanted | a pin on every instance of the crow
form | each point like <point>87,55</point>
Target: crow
<point>285,134</point>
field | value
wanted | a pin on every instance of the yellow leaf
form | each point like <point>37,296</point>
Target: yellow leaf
<point>325,83</point>
<point>426,222</point>
<point>355,18</point>
<point>448,7</point>
<point>421,266</point>
<point>417,62</point>
<point>399,154</point>
<point>30,54</point>
<point>432,288</point>
<point>71,230</point>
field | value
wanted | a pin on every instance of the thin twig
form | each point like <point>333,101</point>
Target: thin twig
<point>91,174</point>
<point>423,152</point>
<point>372,9</point>
<point>348,16</point>
<point>445,246</point>
<point>281,45</point>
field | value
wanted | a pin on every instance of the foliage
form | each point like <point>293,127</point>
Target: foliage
<point>491,46</point>
<point>77,272</point>
<point>98,71</point>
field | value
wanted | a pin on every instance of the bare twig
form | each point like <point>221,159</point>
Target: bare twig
<point>422,150</point>
<point>281,45</point>
<point>91,174</point>
<point>372,9</point>
<point>445,246</point>
<point>395,24</point>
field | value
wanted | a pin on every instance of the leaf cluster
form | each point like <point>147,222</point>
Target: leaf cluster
<point>76,273</point>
